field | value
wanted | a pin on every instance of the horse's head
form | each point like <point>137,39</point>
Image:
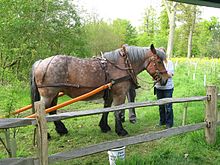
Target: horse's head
<point>155,66</point>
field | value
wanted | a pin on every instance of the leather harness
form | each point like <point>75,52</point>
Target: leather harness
<point>103,64</point>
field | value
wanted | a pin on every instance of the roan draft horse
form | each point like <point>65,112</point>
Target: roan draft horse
<point>74,77</point>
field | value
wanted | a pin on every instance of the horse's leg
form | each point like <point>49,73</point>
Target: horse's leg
<point>103,124</point>
<point>117,100</point>
<point>60,127</point>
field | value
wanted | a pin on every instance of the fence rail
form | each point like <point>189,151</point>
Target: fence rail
<point>209,125</point>
<point>20,122</point>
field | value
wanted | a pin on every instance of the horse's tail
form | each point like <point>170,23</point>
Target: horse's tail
<point>35,95</point>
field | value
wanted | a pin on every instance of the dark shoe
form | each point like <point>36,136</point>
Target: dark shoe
<point>168,126</point>
<point>133,121</point>
<point>160,126</point>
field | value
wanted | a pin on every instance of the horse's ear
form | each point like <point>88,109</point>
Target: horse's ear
<point>152,48</point>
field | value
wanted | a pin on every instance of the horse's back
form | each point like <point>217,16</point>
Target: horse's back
<point>68,69</point>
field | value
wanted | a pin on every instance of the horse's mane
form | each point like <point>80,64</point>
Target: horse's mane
<point>135,53</point>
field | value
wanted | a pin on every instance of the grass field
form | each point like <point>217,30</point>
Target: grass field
<point>189,148</point>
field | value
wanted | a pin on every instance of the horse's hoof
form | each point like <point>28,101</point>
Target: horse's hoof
<point>122,133</point>
<point>62,132</point>
<point>60,128</point>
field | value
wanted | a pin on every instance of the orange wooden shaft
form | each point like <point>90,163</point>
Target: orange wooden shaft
<point>22,109</point>
<point>29,106</point>
<point>84,96</point>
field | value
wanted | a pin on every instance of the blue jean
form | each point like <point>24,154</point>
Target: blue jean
<point>166,110</point>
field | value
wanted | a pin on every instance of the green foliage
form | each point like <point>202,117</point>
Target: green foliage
<point>12,97</point>
<point>100,36</point>
<point>130,35</point>
<point>152,30</point>
<point>208,33</point>
<point>30,30</point>
<point>161,36</point>
<point>149,27</point>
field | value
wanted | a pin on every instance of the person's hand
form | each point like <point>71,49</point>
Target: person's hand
<point>170,75</point>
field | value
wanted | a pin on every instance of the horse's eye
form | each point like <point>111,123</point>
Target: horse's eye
<point>159,62</point>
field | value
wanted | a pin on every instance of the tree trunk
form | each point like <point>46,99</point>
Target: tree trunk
<point>171,11</point>
<point>189,52</point>
<point>190,43</point>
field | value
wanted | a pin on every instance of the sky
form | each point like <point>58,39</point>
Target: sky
<point>132,10</point>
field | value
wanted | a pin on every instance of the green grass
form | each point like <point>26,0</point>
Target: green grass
<point>189,148</point>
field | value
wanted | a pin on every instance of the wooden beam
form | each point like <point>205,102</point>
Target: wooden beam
<point>124,142</point>
<point>19,161</point>
<point>208,3</point>
<point>14,122</point>
<point>124,106</point>
<point>19,122</point>
<point>211,114</point>
<point>41,133</point>
<point>107,145</point>
<point>184,114</point>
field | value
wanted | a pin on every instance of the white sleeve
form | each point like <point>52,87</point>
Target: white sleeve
<point>170,68</point>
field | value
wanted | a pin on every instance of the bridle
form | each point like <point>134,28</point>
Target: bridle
<point>153,60</point>
<point>128,67</point>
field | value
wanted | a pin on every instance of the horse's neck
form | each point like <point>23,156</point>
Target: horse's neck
<point>139,65</point>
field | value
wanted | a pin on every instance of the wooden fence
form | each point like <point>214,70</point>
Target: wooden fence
<point>210,124</point>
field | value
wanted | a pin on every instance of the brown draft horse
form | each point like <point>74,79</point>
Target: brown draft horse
<point>75,77</point>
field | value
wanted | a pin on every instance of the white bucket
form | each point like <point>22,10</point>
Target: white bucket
<point>116,153</point>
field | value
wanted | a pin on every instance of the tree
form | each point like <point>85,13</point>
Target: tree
<point>207,38</point>
<point>161,36</point>
<point>126,32</point>
<point>100,37</point>
<point>131,35</point>
<point>191,30</point>
<point>30,30</point>
<point>171,11</point>
<point>149,28</point>
<point>188,15</point>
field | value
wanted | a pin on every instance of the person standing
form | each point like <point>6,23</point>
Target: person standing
<point>166,110</point>
<point>131,98</point>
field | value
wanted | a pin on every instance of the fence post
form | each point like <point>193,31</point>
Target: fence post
<point>211,114</point>
<point>41,133</point>
<point>185,114</point>
<point>11,145</point>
